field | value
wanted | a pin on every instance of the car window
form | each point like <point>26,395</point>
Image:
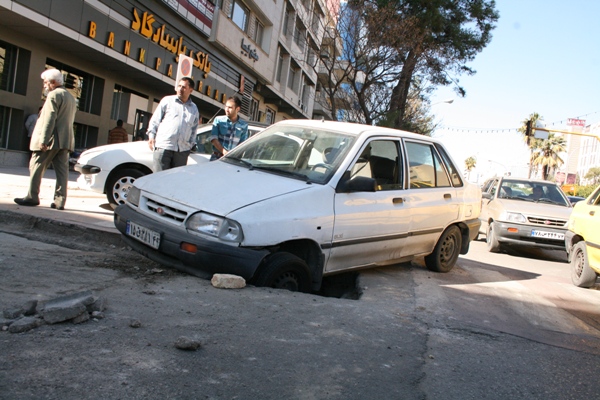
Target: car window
<point>454,174</point>
<point>536,191</point>
<point>379,159</point>
<point>304,153</point>
<point>595,198</point>
<point>425,166</point>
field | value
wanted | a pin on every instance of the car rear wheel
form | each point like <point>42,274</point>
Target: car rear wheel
<point>284,271</point>
<point>118,184</point>
<point>581,273</point>
<point>446,251</point>
<point>493,245</point>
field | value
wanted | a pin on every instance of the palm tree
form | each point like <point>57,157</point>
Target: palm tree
<point>548,154</point>
<point>470,164</point>
<point>532,142</point>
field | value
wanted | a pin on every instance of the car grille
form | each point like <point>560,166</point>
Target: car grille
<point>547,221</point>
<point>161,210</point>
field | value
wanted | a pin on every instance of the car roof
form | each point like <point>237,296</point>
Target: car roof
<point>352,128</point>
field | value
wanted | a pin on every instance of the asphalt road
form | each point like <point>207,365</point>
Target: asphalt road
<point>497,326</point>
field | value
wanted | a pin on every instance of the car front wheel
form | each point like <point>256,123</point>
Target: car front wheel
<point>446,251</point>
<point>118,184</point>
<point>284,271</point>
<point>493,245</point>
<point>581,273</point>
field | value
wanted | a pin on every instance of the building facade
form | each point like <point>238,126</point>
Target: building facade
<point>120,57</point>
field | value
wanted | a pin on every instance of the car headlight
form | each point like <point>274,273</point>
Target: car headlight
<point>133,196</point>
<point>216,226</point>
<point>513,217</point>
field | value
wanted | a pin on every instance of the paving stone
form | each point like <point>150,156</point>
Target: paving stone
<point>13,313</point>
<point>25,324</point>
<point>66,307</point>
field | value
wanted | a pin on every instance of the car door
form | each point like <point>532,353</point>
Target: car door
<point>370,226</point>
<point>433,201</point>
<point>489,189</point>
<point>589,212</point>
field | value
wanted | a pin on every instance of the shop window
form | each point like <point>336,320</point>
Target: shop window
<point>86,88</point>
<point>14,66</point>
<point>239,15</point>
<point>85,136</point>
<point>12,132</point>
<point>269,116</point>
<point>125,101</point>
<point>253,113</point>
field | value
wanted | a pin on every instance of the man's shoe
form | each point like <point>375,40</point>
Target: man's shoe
<point>25,202</point>
<point>53,205</point>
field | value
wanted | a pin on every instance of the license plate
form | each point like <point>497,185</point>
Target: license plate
<point>548,235</point>
<point>143,234</point>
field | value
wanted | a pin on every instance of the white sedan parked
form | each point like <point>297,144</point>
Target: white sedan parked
<point>113,168</point>
<point>305,199</point>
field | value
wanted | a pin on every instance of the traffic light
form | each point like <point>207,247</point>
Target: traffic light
<point>528,131</point>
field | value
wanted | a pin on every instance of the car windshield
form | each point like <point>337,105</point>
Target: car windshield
<point>308,154</point>
<point>532,191</point>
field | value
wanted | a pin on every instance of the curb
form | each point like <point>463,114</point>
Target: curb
<point>30,226</point>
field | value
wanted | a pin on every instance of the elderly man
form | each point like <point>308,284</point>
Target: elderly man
<point>52,141</point>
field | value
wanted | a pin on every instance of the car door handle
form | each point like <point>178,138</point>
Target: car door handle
<point>592,213</point>
<point>447,196</point>
<point>397,200</point>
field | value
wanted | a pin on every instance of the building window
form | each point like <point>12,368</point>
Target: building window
<point>86,88</point>
<point>293,78</point>
<point>269,116</point>
<point>14,67</point>
<point>300,35</point>
<point>280,61</point>
<point>239,15</point>
<point>253,113</point>
<point>258,33</point>
<point>287,21</point>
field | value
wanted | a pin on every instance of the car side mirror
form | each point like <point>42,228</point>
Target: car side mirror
<point>356,184</point>
<point>486,195</point>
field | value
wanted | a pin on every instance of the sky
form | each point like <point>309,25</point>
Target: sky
<point>544,57</point>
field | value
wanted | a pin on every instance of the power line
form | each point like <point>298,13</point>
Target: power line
<point>508,130</point>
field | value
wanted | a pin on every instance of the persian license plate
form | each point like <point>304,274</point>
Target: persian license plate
<point>143,234</point>
<point>548,235</point>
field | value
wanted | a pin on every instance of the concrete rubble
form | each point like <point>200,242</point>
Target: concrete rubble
<point>228,281</point>
<point>76,308</point>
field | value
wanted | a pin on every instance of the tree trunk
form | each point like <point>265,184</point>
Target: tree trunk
<point>400,91</point>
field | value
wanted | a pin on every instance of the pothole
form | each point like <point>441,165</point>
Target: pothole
<point>341,286</point>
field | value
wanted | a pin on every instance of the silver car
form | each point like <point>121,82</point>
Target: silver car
<point>523,212</point>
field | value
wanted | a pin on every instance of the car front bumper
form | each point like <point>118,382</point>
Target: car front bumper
<point>91,178</point>
<point>510,233</point>
<point>211,257</point>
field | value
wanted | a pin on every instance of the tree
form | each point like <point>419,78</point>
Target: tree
<point>435,39</point>
<point>470,164</point>
<point>548,154</point>
<point>533,143</point>
<point>593,175</point>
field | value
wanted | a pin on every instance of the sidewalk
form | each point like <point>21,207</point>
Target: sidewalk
<point>84,208</point>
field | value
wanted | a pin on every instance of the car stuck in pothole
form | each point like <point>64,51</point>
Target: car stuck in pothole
<point>303,200</point>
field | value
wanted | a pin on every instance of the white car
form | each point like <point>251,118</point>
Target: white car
<point>304,199</point>
<point>113,168</point>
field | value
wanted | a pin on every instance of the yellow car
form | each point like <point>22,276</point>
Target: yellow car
<point>582,241</point>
